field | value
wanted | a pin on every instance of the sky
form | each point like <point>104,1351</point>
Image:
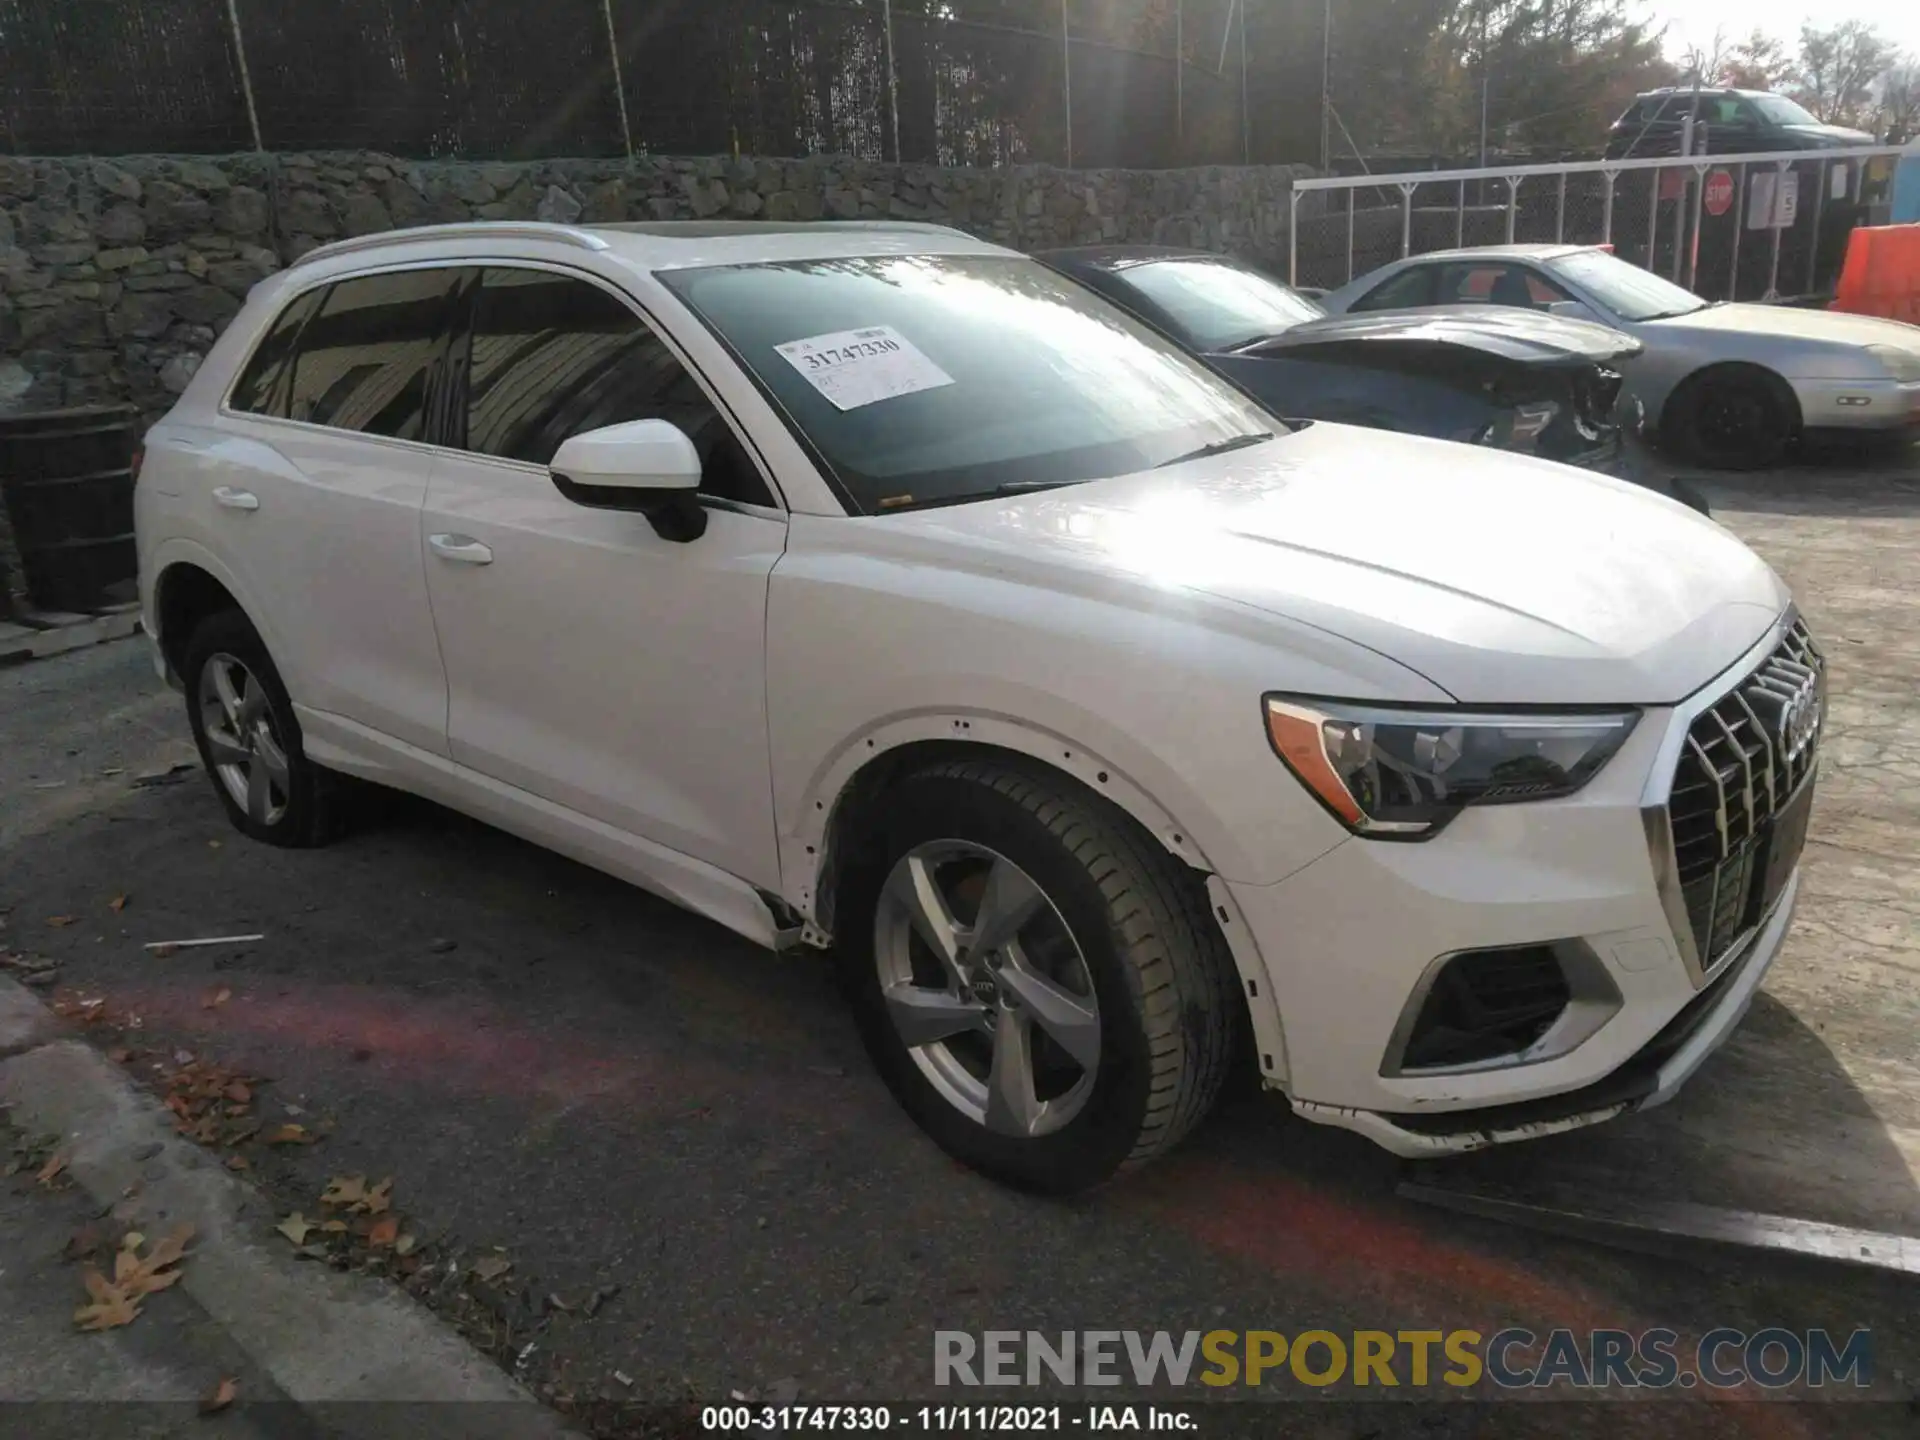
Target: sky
<point>1692,22</point>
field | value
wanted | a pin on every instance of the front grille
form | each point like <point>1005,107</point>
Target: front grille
<point>1738,768</point>
<point>1486,1005</point>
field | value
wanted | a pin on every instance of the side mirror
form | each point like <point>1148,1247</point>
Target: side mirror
<point>646,466</point>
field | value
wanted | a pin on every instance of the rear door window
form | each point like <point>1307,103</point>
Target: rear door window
<point>1409,290</point>
<point>1496,284</point>
<point>553,356</point>
<point>367,357</point>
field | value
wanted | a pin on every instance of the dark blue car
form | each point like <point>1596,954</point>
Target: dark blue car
<point>1517,380</point>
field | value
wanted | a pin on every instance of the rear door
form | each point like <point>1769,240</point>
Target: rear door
<point>320,501</point>
<point>589,661</point>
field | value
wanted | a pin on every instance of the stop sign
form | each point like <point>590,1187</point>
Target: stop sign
<point>1717,195</point>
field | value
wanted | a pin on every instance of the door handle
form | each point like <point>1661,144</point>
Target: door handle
<point>233,499</point>
<point>463,548</point>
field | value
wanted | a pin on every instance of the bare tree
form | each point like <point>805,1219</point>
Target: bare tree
<point>1838,69</point>
<point>1709,61</point>
<point>1897,113</point>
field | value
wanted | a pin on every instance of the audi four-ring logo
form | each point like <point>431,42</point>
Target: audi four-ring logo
<point>1800,720</point>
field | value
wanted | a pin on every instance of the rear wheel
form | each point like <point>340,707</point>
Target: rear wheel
<point>1040,985</point>
<point>1732,418</point>
<point>244,726</point>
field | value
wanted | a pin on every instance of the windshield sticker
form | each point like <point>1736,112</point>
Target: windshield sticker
<point>853,368</point>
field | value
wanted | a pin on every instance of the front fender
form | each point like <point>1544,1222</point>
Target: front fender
<point>1185,834</point>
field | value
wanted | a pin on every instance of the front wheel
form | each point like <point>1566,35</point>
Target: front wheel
<point>1735,418</point>
<point>1041,986</point>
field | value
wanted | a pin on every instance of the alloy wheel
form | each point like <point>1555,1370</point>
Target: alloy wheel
<point>243,744</point>
<point>987,988</point>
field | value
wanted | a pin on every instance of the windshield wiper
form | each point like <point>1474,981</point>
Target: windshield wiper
<point>1219,447</point>
<point>1027,487</point>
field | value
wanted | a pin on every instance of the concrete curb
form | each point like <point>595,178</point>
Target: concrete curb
<point>25,1023</point>
<point>21,643</point>
<point>326,1339</point>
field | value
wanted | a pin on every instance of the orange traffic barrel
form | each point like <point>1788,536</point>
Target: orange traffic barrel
<point>1882,273</point>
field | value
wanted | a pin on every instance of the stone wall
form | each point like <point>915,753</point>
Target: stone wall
<point>115,276</point>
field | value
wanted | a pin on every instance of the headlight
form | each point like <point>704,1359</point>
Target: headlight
<point>1403,774</point>
<point>1903,365</point>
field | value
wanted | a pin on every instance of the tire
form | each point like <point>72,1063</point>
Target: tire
<point>1690,496</point>
<point>1117,977</point>
<point>1732,418</point>
<point>250,741</point>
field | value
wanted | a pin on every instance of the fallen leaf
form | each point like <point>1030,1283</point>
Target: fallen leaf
<point>238,1162</point>
<point>52,1170</point>
<point>59,922</point>
<point>221,1397</point>
<point>289,1135</point>
<point>216,999</point>
<point>404,1246</point>
<point>83,1241</point>
<point>345,1190</point>
<point>213,844</point>
<point>137,1276</point>
<point>384,1232</point>
<point>132,1240</point>
<point>489,1268</point>
<point>111,1307</point>
<point>380,1198</point>
<point>120,1056</point>
<point>239,1092</point>
<point>296,1227</point>
<point>117,904</point>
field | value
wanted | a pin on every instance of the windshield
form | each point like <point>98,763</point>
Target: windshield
<point>930,379</point>
<point>1218,306</point>
<point>1626,290</point>
<point>1781,111</point>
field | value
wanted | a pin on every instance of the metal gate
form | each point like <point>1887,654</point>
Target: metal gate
<point>1767,226</point>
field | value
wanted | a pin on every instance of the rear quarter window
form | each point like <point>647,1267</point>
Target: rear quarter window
<point>261,390</point>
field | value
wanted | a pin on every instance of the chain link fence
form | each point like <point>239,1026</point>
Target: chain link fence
<point>947,83</point>
<point>1767,227</point>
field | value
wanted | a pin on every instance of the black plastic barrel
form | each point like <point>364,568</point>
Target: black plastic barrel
<point>67,476</point>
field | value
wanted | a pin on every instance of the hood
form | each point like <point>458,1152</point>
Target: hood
<point>1527,336</point>
<point>1502,579</point>
<point>1790,323</point>
<point>1828,135</point>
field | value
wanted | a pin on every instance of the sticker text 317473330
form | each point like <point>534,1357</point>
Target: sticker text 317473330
<point>853,368</point>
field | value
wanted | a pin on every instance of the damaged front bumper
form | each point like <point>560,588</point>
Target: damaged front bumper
<point>1650,1078</point>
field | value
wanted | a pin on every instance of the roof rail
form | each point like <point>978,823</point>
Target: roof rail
<point>706,229</point>
<point>465,230</point>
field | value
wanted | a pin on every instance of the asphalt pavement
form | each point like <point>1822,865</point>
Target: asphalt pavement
<point>668,1150</point>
